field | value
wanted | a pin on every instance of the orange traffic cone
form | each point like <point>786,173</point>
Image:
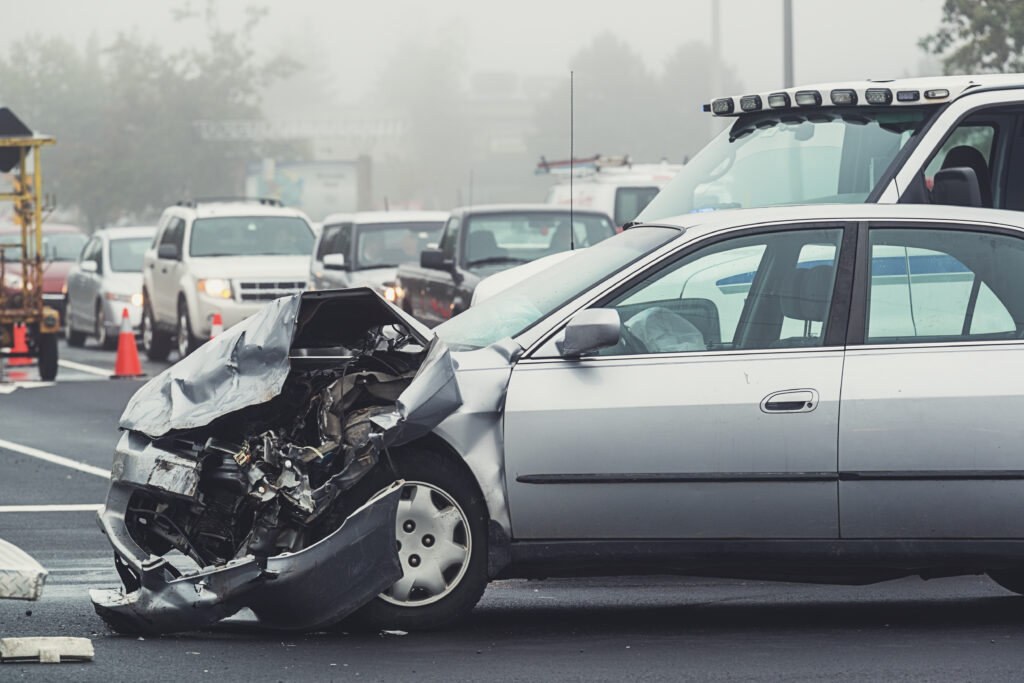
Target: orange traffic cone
<point>127,364</point>
<point>217,326</point>
<point>20,346</point>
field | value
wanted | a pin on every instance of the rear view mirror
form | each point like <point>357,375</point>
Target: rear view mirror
<point>590,331</point>
<point>435,260</point>
<point>167,251</point>
<point>89,266</point>
<point>957,186</point>
<point>334,261</point>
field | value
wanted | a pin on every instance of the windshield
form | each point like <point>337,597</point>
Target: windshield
<point>251,236</point>
<point>385,245</point>
<point>519,307</point>
<point>126,253</point>
<point>837,155</point>
<point>62,246</point>
<point>494,238</point>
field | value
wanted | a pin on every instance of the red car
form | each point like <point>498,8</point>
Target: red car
<point>61,246</point>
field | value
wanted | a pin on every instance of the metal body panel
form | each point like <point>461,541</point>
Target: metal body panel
<point>933,408</point>
<point>691,413</point>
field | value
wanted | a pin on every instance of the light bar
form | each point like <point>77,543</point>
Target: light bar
<point>878,96</point>
<point>722,106</point>
<point>936,94</point>
<point>750,102</point>
<point>778,100</point>
<point>808,98</point>
<point>843,97</point>
<point>908,96</point>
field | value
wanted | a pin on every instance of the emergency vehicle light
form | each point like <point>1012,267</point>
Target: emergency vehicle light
<point>878,96</point>
<point>750,102</point>
<point>841,97</point>
<point>908,96</point>
<point>808,98</point>
<point>722,106</point>
<point>778,100</point>
<point>936,94</point>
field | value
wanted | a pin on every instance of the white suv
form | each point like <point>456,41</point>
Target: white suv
<point>219,256</point>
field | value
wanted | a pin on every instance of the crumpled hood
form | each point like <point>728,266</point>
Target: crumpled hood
<point>249,363</point>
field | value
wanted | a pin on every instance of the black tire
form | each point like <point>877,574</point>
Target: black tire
<point>47,357</point>
<point>455,480</point>
<point>155,343</point>
<point>187,342</point>
<point>105,340</point>
<point>72,336</point>
<point>1009,579</point>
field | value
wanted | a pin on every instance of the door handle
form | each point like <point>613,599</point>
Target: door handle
<point>790,401</point>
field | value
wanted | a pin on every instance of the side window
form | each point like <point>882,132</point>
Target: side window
<point>337,239</point>
<point>763,291</point>
<point>969,145</point>
<point>630,201</point>
<point>450,238</point>
<point>93,251</point>
<point>944,285</point>
<point>174,234</point>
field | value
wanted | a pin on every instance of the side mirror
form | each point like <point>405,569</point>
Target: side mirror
<point>590,331</point>
<point>435,260</point>
<point>167,251</point>
<point>957,186</point>
<point>89,266</point>
<point>334,261</point>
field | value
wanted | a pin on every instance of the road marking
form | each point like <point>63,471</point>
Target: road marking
<point>55,459</point>
<point>86,507</point>
<point>82,367</point>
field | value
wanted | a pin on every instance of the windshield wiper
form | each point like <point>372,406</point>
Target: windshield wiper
<point>496,259</point>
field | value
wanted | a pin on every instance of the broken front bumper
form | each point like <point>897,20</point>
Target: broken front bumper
<point>311,588</point>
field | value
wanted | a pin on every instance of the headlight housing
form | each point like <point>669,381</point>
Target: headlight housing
<point>216,287</point>
<point>133,299</point>
<point>13,281</point>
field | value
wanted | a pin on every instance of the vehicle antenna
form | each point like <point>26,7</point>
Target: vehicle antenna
<point>572,161</point>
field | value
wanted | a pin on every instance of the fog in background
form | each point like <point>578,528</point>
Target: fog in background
<point>433,104</point>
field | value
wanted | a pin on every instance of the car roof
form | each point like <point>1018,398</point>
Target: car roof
<point>954,87</point>
<point>387,217</point>
<point>123,231</point>
<point>715,221</point>
<point>227,208</point>
<point>523,208</point>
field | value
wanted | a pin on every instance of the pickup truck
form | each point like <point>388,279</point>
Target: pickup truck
<point>946,140</point>
<point>478,241</point>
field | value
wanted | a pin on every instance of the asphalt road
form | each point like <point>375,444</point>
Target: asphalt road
<point>659,628</point>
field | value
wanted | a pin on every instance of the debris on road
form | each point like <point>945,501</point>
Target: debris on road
<point>21,577</point>
<point>50,650</point>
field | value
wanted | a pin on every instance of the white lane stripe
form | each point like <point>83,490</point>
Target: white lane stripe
<point>85,507</point>
<point>55,459</point>
<point>82,367</point>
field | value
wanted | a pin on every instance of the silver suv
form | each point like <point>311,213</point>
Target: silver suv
<point>222,256</point>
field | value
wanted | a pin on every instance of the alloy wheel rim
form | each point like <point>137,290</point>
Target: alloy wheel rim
<point>147,331</point>
<point>434,545</point>
<point>182,334</point>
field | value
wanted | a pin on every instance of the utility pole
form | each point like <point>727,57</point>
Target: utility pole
<point>787,43</point>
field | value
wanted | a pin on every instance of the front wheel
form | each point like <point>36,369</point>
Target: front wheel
<point>47,357</point>
<point>187,343</point>
<point>103,338</point>
<point>441,532</point>
<point>73,337</point>
<point>155,343</point>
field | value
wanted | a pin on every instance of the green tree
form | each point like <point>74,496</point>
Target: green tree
<point>125,115</point>
<point>978,36</point>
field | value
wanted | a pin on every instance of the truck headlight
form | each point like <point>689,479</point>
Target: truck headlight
<point>216,287</point>
<point>391,294</point>
<point>13,281</point>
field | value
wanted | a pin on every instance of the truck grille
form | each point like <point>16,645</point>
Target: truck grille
<point>268,291</point>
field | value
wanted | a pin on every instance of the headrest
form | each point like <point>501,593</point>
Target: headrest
<point>966,156</point>
<point>806,293</point>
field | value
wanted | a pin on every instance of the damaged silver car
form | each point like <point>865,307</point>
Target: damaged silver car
<point>798,393</point>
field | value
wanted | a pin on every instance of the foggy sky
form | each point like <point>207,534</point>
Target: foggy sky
<point>835,39</point>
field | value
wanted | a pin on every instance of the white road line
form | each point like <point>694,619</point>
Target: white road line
<point>82,367</point>
<point>86,507</point>
<point>55,459</point>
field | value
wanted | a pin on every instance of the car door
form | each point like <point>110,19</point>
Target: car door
<point>164,294</point>
<point>81,287</point>
<point>716,415</point>
<point>930,435</point>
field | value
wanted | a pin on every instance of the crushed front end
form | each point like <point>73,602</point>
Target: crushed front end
<point>228,488</point>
